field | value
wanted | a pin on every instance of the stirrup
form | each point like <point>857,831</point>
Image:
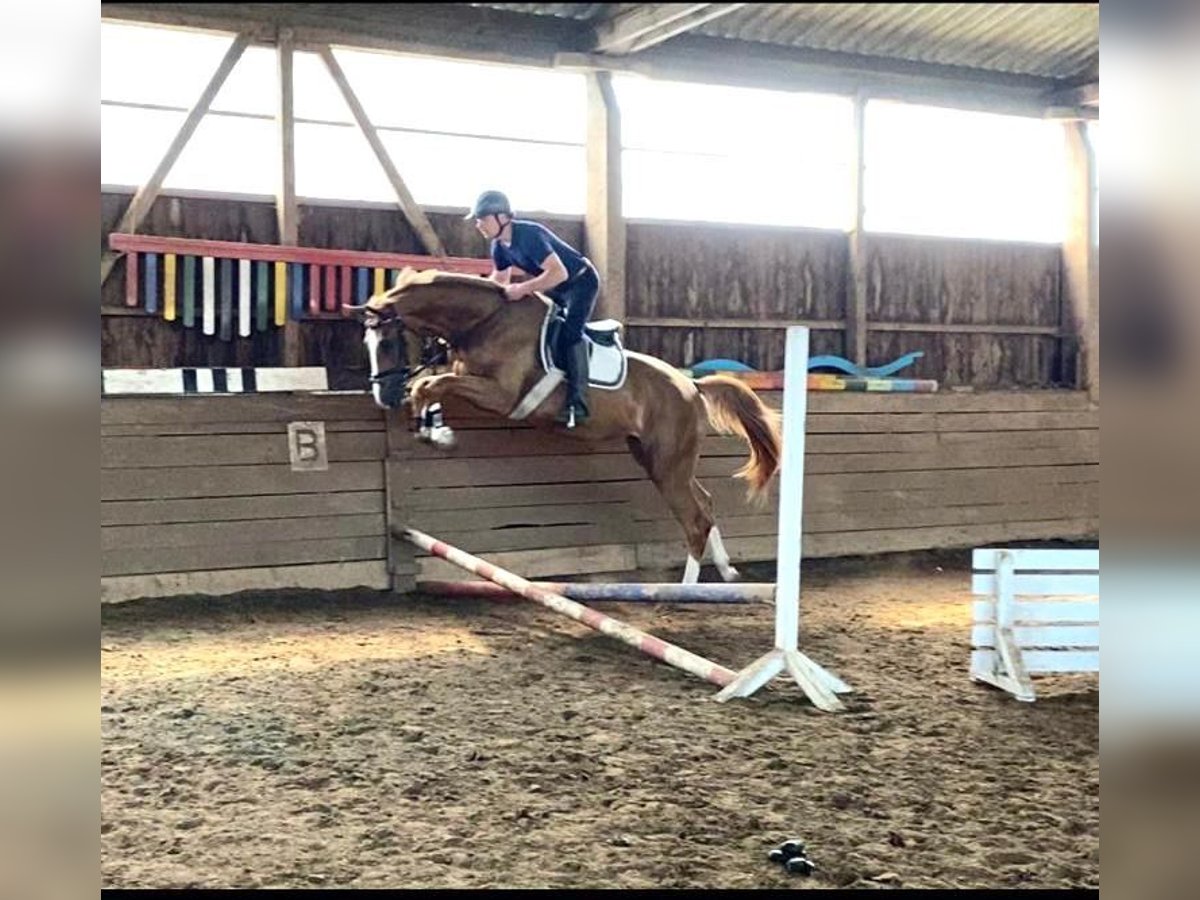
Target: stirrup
<point>572,415</point>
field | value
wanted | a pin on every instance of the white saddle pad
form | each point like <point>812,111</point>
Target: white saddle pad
<point>607,366</point>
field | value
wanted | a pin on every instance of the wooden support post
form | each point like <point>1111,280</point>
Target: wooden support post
<point>415,215</point>
<point>286,208</point>
<point>856,268</point>
<point>398,485</point>
<point>144,199</point>
<point>604,225</point>
<point>1081,257</point>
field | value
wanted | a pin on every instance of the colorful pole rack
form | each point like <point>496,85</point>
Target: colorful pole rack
<point>229,287</point>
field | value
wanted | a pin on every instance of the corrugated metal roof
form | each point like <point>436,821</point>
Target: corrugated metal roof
<point>1053,40</point>
<point>579,11</point>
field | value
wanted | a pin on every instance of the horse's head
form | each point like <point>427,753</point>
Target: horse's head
<point>429,302</point>
<point>383,336</point>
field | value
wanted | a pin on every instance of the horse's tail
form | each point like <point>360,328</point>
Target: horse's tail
<point>735,409</point>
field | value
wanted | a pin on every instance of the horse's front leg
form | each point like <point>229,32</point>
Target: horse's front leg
<point>482,393</point>
<point>428,416</point>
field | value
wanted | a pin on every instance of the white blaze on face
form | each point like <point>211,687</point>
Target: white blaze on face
<point>371,339</point>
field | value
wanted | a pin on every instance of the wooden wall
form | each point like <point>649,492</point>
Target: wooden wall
<point>710,274</point>
<point>714,291</point>
<point>696,275</point>
<point>198,496</point>
<point>883,473</point>
<point>942,281</point>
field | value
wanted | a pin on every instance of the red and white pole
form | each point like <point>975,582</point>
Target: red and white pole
<point>646,643</point>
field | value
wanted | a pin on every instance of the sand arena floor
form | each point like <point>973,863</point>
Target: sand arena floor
<point>362,740</point>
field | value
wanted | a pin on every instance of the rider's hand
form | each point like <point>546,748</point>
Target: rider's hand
<point>515,291</point>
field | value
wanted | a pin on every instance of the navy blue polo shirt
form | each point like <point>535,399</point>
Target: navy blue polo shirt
<point>531,244</point>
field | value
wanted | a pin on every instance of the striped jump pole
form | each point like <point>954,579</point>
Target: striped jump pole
<point>629,592</point>
<point>646,643</point>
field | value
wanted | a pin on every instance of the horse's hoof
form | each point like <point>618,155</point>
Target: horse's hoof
<point>731,574</point>
<point>443,438</point>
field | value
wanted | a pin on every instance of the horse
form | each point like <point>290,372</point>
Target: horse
<point>497,365</point>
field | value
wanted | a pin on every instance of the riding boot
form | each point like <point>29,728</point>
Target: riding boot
<point>575,411</point>
<point>582,365</point>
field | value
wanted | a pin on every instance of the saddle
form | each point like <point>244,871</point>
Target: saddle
<point>606,355</point>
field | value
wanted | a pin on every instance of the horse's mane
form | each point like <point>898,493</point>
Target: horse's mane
<point>410,277</point>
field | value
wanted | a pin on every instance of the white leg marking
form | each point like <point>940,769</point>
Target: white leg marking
<point>720,556</point>
<point>435,429</point>
<point>691,572</point>
<point>371,339</point>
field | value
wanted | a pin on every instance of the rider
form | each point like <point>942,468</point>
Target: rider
<point>559,271</point>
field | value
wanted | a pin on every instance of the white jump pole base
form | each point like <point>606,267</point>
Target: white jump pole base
<point>819,685</point>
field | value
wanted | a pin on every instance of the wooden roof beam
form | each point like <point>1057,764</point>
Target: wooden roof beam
<point>143,200</point>
<point>450,30</point>
<point>1079,95</point>
<point>707,60</point>
<point>483,35</point>
<point>404,198</point>
<point>652,23</point>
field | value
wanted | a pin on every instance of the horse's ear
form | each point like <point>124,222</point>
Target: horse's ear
<point>404,277</point>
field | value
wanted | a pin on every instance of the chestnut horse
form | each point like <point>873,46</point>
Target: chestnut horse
<point>496,362</point>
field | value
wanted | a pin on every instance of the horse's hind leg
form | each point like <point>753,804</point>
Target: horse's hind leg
<point>715,545</point>
<point>693,518</point>
<point>674,479</point>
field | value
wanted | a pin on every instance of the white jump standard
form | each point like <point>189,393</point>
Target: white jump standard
<point>820,686</point>
<point>1054,626</point>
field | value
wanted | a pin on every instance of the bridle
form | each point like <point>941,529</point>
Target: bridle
<point>429,357</point>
